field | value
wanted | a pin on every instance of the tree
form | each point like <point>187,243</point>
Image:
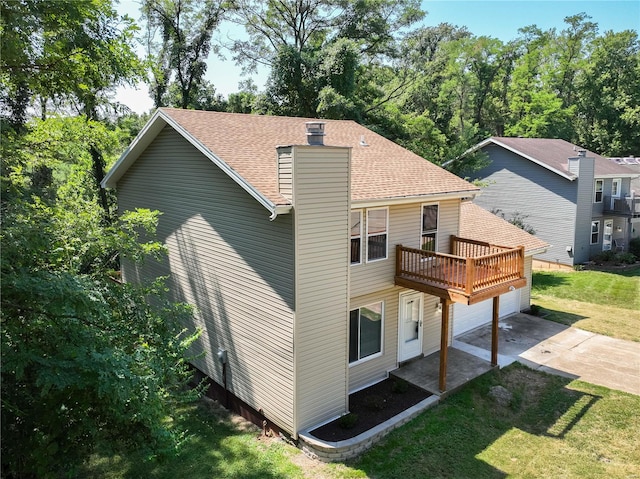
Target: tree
<point>609,95</point>
<point>315,50</point>
<point>85,359</point>
<point>185,28</point>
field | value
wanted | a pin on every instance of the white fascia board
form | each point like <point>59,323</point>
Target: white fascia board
<point>536,251</point>
<point>402,200</point>
<point>153,127</point>
<point>616,175</point>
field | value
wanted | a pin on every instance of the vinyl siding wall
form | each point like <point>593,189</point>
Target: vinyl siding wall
<point>405,227</point>
<point>321,197</point>
<point>226,258</point>
<point>518,185</point>
<point>373,282</point>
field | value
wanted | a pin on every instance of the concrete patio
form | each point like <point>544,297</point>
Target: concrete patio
<point>462,367</point>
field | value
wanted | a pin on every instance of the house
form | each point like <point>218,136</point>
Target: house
<point>319,255</point>
<point>575,200</point>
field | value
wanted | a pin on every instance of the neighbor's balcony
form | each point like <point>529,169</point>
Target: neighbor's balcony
<point>475,271</point>
<point>627,206</point>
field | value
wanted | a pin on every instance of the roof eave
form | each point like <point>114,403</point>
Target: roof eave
<point>153,127</point>
<point>401,200</point>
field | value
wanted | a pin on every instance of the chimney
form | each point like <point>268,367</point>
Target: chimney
<point>315,132</point>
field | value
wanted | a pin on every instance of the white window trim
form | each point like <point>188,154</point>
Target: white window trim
<point>591,232</point>
<point>438,226</point>
<point>595,191</point>
<point>386,251</point>
<point>362,239</point>
<point>619,182</point>
<point>382,321</point>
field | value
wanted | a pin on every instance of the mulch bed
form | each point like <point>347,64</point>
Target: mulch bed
<point>373,406</point>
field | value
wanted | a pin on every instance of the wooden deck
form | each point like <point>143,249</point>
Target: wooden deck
<point>474,272</point>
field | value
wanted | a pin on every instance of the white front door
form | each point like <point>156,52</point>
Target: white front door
<point>607,235</point>
<point>410,326</point>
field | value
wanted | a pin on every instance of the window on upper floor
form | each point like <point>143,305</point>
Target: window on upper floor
<point>429,238</point>
<point>616,185</point>
<point>356,237</point>
<point>595,232</point>
<point>365,332</point>
<point>597,197</point>
<point>377,228</point>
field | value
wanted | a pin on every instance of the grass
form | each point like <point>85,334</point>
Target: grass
<point>554,427</point>
<point>601,302</point>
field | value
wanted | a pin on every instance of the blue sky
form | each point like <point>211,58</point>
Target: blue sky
<point>495,18</point>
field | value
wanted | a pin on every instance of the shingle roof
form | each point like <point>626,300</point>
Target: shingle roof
<point>381,170</point>
<point>481,225</point>
<point>555,152</point>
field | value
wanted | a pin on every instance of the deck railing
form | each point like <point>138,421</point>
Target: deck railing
<point>629,205</point>
<point>473,267</point>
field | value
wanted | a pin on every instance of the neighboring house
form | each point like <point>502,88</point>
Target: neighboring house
<point>316,264</point>
<point>577,201</point>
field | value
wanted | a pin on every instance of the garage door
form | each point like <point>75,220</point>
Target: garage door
<point>466,317</point>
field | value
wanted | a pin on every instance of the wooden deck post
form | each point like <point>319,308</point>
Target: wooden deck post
<point>444,343</point>
<point>494,331</point>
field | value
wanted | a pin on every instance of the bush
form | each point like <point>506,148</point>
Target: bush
<point>534,310</point>
<point>634,247</point>
<point>604,257</point>
<point>625,258</point>
<point>348,421</point>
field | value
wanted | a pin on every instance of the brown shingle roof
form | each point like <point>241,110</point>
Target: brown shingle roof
<point>381,170</point>
<point>481,225</point>
<point>555,152</point>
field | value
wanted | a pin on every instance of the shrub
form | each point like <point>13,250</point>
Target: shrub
<point>604,257</point>
<point>634,247</point>
<point>348,421</point>
<point>625,258</point>
<point>534,309</point>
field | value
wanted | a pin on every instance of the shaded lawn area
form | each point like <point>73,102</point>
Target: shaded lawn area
<point>601,302</point>
<point>553,428</point>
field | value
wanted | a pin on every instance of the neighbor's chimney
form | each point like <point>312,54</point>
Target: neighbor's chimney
<point>315,132</point>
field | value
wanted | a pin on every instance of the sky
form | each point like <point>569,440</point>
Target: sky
<point>496,18</point>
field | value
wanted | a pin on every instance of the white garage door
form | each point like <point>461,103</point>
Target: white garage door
<point>466,317</point>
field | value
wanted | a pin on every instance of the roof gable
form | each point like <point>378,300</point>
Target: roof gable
<point>553,154</point>
<point>244,146</point>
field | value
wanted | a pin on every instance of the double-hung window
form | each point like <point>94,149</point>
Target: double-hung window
<point>595,232</point>
<point>598,191</point>
<point>377,227</point>
<point>429,239</point>
<point>356,237</point>
<point>365,332</point>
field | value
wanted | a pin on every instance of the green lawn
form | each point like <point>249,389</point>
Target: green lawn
<point>600,302</point>
<point>554,428</point>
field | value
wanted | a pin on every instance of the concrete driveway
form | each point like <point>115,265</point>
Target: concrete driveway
<point>559,349</point>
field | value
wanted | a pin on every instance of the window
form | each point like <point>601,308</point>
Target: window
<point>428,242</point>
<point>377,234</point>
<point>356,237</point>
<point>365,332</point>
<point>615,187</point>
<point>595,232</point>
<point>598,193</point>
